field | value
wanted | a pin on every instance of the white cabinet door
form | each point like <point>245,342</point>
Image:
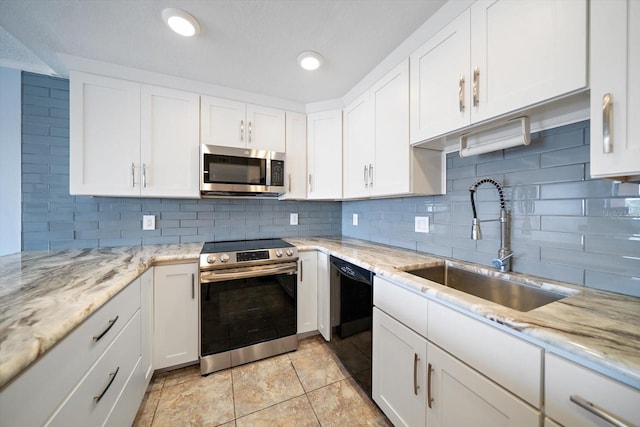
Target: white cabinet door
<point>324,296</point>
<point>565,380</point>
<point>265,128</point>
<point>146,325</point>
<point>614,70</point>
<point>175,315</point>
<point>296,161</point>
<point>324,155</point>
<point>358,147</point>
<point>392,172</point>
<point>460,396</point>
<point>440,77</point>
<point>169,143</point>
<point>399,358</point>
<point>307,292</point>
<point>104,140</point>
<point>236,124</point>
<point>526,52</point>
<point>222,122</point>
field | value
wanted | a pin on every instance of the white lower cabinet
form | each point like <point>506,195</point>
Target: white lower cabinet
<point>175,333</point>
<point>568,386</point>
<point>460,396</point>
<point>307,294</point>
<point>399,371</point>
<point>146,330</point>
<point>324,296</point>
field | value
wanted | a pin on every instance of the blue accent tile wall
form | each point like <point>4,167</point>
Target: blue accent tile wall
<point>564,225</point>
<point>52,219</point>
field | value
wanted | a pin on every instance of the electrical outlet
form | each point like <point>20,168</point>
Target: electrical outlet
<point>355,219</point>
<point>293,219</point>
<point>422,224</point>
<point>148,222</point>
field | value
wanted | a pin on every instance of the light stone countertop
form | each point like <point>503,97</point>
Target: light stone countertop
<point>45,295</point>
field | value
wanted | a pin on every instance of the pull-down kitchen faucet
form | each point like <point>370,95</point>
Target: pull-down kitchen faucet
<point>503,262</point>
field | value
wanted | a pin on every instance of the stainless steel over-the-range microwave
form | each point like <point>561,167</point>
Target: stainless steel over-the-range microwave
<point>228,171</point>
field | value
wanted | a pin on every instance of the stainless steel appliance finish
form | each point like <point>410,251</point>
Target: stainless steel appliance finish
<point>248,302</point>
<point>228,171</point>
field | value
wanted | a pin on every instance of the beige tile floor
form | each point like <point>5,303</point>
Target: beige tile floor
<point>308,387</point>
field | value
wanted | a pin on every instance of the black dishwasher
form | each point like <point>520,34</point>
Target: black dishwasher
<point>351,327</point>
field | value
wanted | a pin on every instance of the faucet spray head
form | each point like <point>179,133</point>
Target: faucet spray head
<point>475,229</point>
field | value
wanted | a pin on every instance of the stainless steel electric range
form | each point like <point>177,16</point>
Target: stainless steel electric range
<point>248,301</point>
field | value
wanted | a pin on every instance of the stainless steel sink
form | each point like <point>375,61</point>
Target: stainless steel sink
<point>518,296</point>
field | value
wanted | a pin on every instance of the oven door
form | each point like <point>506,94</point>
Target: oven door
<point>241,307</point>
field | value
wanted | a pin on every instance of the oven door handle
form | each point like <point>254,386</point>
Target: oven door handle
<point>244,273</point>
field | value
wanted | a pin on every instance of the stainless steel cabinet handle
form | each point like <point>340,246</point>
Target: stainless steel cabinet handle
<point>476,84</point>
<point>461,93</point>
<point>193,286</point>
<point>144,175</point>
<point>112,377</point>
<point>301,271</point>
<point>133,175</point>
<point>429,372</point>
<point>607,113</point>
<point>249,131</point>
<point>599,412</point>
<point>112,322</point>
<point>289,183</point>
<point>241,130</point>
<point>370,175</point>
<point>415,373</point>
<point>366,174</point>
<point>310,186</point>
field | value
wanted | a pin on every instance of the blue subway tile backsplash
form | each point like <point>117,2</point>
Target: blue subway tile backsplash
<point>564,226</point>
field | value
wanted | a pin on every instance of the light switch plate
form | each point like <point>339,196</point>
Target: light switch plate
<point>293,219</point>
<point>355,219</point>
<point>422,224</point>
<point>148,222</point>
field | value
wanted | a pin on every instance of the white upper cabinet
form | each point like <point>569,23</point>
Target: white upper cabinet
<point>296,161</point>
<point>129,139</point>
<point>358,147</point>
<point>378,159</point>
<point>498,57</point>
<point>236,124</point>
<point>104,152</point>
<point>615,89</point>
<point>324,155</point>
<point>169,149</point>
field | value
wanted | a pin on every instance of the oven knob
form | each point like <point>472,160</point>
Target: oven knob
<point>278,253</point>
<point>224,258</point>
<point>211,259</point>
<point>289,252</point>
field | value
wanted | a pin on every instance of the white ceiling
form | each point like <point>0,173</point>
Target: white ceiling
<point>250,45</point>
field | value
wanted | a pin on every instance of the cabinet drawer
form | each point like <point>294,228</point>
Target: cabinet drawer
<point>564,379</point>
<point>511,362</point>
<point>403,305</point>
<point>92,400</point>
<point>66,363</point>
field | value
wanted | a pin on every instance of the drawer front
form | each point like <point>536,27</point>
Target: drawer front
<point>509,361</point>
<point>92,400</point>
<point>403,305</point>
<point>564,379</point>
<point>66,363</point>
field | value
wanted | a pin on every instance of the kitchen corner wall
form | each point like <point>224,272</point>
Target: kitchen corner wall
<point>52,219</point>
<point>564,226</point>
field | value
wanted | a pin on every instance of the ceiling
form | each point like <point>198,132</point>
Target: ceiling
<point>249,45</point>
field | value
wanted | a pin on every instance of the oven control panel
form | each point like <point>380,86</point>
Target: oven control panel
<point>252,255</point>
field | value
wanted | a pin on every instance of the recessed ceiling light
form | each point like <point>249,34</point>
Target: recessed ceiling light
<point>181,22</point>
<point>310,60</point>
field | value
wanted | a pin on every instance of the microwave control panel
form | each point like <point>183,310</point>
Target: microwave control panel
<point>277,173</point>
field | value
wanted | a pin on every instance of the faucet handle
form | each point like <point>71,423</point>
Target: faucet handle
<point>501,262</point>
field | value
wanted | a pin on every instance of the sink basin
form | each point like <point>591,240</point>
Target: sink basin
<point>504,292</point>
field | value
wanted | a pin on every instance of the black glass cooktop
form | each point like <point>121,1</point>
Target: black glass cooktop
<point>244,245</point>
